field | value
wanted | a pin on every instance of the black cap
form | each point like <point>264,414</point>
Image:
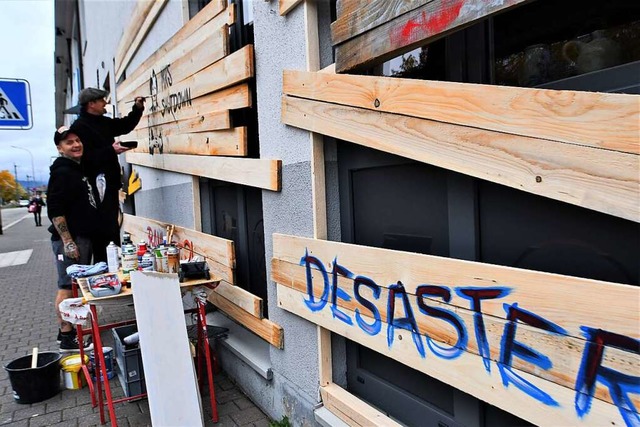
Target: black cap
<point>61,134</point>
<point>91,94</point>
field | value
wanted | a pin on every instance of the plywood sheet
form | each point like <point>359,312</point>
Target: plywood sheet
<point>172,388</point>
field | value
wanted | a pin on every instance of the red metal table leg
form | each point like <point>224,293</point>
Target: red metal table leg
<point>101,373</point>
<point>202,322</point>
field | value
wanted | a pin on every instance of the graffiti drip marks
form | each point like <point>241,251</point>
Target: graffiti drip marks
<point>590,372</point>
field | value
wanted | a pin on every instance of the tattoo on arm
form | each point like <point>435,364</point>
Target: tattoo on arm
<point>60,223</point>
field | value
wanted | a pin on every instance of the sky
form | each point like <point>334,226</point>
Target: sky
<point>27,52</point>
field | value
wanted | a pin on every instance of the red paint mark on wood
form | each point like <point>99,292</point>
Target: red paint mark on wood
<point>427,25</point>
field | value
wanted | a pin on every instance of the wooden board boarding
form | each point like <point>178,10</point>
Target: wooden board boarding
<point>286,6</point>
<point>129,33</point>
<point>418,27</point>
<point>608,306</point>
<point>175,47</point>
<point>214,104</point>
<point>215,120</point>
<point>465,373</point>
<point>250,303</point>
<point>172,388</point>
<point>229,142</point>
<point>219,252</point>
<point>233,69</point>
<point>566,351</point>
<point>213,48</point>
<point>141,31</point>
<point>264,328</point>
<point>351,409</point>
<point>602,180</point>
<point>567,116</point>
<point>368,16</point>
<point>260,173</point>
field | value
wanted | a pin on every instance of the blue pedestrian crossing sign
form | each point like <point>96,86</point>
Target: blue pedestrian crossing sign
<point>15,104</point>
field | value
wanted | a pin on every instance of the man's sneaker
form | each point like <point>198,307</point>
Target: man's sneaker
<point>69,343</point>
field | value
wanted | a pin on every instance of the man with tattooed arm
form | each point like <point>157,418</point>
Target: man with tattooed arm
<point>74,217</point>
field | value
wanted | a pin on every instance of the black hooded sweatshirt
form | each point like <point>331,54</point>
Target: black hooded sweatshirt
<point>97,134</point>
<point>69,194</point>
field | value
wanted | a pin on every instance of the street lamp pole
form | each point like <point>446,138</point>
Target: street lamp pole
<point>33,171</point>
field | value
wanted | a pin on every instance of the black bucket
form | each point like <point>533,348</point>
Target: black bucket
<point>32,385</point>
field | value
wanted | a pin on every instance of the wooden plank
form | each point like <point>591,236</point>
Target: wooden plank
<point>215,120</point>
<point>566,116</point>
<point>260,173</point>
<point>286,6</point>
<point>565,351</point>
<point>229,142</point>
<point>197,209</point>
<point>244,299</point>
<point>351,409</point>
<point>129,33</point>
<point>413,29</point>
<point>231,70</point>
<point>175,47</point>
<point>264,328</point>
<point>602,180</point>
<point>164,74</point>
<point>136,32</point>
<point>608,306</point>
<point>235,97</point>
<point>219,252</point>
<point>169,373</point>
<point>465,372</point>
<point>371,14</point>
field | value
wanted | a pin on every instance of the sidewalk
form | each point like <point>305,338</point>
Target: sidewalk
<point>27,292</point>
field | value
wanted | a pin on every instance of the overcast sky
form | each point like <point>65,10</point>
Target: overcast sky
<point>27,52</point>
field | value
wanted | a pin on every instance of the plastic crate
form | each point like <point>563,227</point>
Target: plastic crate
<point>128,362</point>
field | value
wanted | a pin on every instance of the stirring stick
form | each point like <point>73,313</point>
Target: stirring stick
<point>34,358</point>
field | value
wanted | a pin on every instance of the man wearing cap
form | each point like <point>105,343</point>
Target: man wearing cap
<point>73,213</point>
<point>97,132</point>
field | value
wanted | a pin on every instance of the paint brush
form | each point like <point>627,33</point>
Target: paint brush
<point>134,99</point>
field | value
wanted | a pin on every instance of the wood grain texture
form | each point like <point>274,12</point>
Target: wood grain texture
<point>136,32</point>
<point>602,180</point>
<point>418,27</point>
<point>219,252</point>
<point>175,47</point>
<point>244,299</point>
<point>229,142</point>
<point>176,68</point>
<point>260,173</point>
<point>465,372</point>
<point>217,104</point>
<point>609,306</point>
<point>566,116</point>
<point>351,409</point>
<point>369,15</point>
<point>565,351</point>
<point>286,6</point>
<point>264,328</point>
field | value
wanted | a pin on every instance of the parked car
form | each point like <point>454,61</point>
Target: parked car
<point>23,203</point>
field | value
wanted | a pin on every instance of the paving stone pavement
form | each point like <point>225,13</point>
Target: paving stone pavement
<point>27,320</point>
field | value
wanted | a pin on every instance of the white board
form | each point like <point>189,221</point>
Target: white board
<point>172,389</point>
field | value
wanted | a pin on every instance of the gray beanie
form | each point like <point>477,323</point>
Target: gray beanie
<point>91,94</point>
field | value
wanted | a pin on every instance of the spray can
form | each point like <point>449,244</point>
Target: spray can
<point>112,257</point>
<point>173,259</point>
<point>148,262</point>
<point>129,260</point>
<point>142,249</point>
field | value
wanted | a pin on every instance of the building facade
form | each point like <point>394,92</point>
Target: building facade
<point>422,213</point>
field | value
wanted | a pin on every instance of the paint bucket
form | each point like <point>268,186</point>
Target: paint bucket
<point>31,385</point>
<point>108,362</point>
<point>72,371</point>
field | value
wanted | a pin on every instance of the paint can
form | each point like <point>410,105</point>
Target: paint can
<point>148,262</point>
<point>72,371</point>
<point>108,362</point>
<point>129,260</point>
<point>173,259</point>
<point>142,249</point>
<point>160,254</point>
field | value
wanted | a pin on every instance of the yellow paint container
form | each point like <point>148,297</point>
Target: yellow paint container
<point>72,371</point>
